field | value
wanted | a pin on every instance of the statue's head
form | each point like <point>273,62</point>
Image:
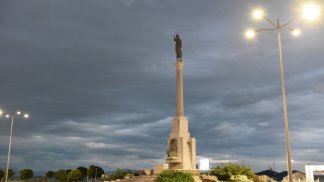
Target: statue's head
<point>177,35</point>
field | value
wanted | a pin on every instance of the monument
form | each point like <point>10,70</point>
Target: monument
<point>181,151</point>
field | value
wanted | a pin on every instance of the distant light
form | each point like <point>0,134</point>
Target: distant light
<point>1,112</point>
<point>7,115</point>
<point>250,34</point>
<point>204,164</point>
<point>311,11</point>
<point>258,14</point>
<point>296,32</point>
<point>18,112</point>
<point>26,116</point>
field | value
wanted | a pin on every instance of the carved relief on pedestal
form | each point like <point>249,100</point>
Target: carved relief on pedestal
<point>172,151</point>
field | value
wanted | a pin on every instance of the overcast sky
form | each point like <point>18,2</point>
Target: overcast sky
<point>98,79</point>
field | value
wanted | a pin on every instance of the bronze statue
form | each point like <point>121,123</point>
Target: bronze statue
<point>172,151</point>
<point>178,45</point>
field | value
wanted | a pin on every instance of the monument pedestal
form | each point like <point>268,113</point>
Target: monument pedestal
<point>181,148</point>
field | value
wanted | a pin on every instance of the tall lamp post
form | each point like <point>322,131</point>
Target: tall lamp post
<point>310,12</point>
<point>12,116</point>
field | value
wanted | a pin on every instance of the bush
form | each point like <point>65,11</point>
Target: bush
<point>241,178</point>
<point>229,172</point>
<point>206,178</point>
<point>175,176</point>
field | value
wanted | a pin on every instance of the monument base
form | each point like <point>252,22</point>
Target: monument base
<point>172,160</point>
<point>181,147</point>
<point>191,171</point>
<point>160,168</point>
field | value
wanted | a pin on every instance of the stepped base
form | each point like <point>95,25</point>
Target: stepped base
<point>153,178</point>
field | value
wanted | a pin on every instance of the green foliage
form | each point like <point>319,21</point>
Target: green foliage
<point>75,175</point>
<point>83,170</point>
<point>91,171</point>
<point>60,175</point>
<point>68,171</point>
<point>136,173</point>
<point>118,174</point>
<point>11,173</point>
<point>229,171</point>
<point>95,171</point>
<point>50,174</point>
<point>1,174</point>
<point>100,171</point>
<point>174,176</point>
<point>208,178</point>
<point>26,174</point>
<point>241,178</point>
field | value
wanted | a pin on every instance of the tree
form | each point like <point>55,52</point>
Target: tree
<point>26,174</point>
<point>11,173</point>
<point>95,171</point>
<point>91,171</point>
<point>231,172</point>
<point>50,174</point>
<point>83,170</point>
<point>118,174</point>
<point>68,171</point>
<point>60,175</point>
<point>1,174</point>
<point>75,175</point>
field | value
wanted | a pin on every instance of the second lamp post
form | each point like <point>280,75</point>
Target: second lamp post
<point>12,116</point>
<point>311,12</point>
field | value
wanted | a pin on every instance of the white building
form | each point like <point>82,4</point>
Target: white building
<point>314,173</point>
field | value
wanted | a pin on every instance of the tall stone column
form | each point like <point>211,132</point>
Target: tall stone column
<point>179,99</point>
<point>181,152</point>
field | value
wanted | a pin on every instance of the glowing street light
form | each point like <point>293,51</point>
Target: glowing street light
<point>310,12</point>
<point>258,14</point>
<point>250,34</point>
<point>295,32</point>
<point>12,116</point>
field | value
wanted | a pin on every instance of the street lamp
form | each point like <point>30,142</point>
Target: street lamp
<point>310,12</point>
<point>12,116</point>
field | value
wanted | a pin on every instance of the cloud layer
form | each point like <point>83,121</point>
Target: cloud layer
<point>98,79</point>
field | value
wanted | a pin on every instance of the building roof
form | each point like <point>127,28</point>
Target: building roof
<point>275,175</point>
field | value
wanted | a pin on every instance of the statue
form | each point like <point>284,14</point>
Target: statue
<point>172,150</point>
<point>178,45</point>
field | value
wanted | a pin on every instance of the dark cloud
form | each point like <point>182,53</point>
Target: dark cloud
<point>98,79</point>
